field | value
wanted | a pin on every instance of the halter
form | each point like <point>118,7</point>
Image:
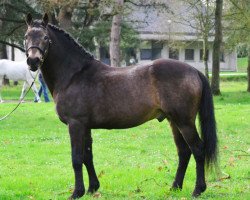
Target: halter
<point>36,47</point>
<point>44,51</point>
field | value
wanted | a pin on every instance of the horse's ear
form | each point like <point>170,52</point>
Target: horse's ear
<point>45,19</point>
<point>29,19</point>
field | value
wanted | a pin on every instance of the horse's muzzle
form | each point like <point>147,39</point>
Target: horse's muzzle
<point>33,63</point>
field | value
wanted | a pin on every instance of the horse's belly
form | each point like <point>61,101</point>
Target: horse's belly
<point>123,121</point>
<point>15,76</point>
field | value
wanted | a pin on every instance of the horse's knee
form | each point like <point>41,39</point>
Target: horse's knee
<point>87,157</point>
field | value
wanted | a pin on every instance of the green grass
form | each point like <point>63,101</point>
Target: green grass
<point>13,92</point>
<point>242,64</point>
<point>137,163</point>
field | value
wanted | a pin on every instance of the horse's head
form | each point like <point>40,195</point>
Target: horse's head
<point>36,41</point>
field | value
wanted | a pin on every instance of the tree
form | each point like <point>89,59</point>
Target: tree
<point>238,28</point>
<point>199,16</point>
<point>87,20</point>
<point>248,70</point>
<point>207,26</point>
<point>115,35</point>
<point>120,7</point>
<point>215,83</point>
<point>3,55</point>
<point>12,15</point>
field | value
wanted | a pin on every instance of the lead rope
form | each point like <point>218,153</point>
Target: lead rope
<point>20,101</point>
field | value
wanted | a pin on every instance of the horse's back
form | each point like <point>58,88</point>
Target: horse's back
<point>13,70</point>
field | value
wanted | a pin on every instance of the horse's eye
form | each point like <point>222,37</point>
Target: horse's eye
<point>46,37</point>
<point>25,37</point>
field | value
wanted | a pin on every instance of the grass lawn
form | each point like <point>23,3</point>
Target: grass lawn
<point>137,163</point>
<point>242,64</point>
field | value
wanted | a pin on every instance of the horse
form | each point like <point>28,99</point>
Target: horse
<point>92,95</point>
<point>18,71</point>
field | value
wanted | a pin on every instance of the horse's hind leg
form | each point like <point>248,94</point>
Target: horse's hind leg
<point>88,162</point>
<point>196,145</point>
<point>184,154</point>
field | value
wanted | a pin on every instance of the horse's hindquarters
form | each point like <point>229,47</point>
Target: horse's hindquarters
<point>179,88</point>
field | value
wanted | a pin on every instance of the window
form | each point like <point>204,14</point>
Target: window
<point>150,50</point>
<point>222,57</point>
<point>173,54</point>
<point>201,54</point>
<point>156,53</point>
<point>189,54</point>
<point>156,49</point>
<point>146,54</point>
<point>104,55</point>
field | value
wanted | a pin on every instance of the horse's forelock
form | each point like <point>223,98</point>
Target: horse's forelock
<point>38,24</point>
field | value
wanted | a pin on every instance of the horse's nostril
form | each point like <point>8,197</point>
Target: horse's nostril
<point>28,61</point>
<point>33,61</point>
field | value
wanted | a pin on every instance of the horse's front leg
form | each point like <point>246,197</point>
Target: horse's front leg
<point>77,131</point>
<point>88,162</point>
<point>34,89</point>
<point>23,90</point>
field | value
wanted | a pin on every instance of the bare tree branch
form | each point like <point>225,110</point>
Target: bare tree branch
<point>11,20</point>
<point>13,45</point>
<point>14,29</point>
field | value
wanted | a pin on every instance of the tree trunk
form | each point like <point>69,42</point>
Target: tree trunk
<point>3,55</point>
<point>205,55</point>
<point>12,53</point>
<point>114,48</point>
<point>64,17</point>
<point>207,28</point>
<point>215,84</point>
<point>248,70</point>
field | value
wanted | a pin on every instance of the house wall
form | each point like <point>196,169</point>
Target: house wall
<point>19,55</point>
<point>229,63</point>
<point>230,58</point>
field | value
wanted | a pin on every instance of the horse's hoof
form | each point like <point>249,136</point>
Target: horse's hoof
<point>77,194</point>
<point>176,187</point>
<point>93,188</point>
<point>37,101</point>
<point>198,190</point>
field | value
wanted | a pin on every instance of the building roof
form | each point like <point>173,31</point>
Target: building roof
<point>164,23</point>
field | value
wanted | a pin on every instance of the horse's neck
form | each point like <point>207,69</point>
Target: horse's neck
<point>61,64</point>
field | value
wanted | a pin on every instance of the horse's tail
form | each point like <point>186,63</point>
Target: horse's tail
<point>207,122</point>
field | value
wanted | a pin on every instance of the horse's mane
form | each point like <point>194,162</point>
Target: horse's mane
<point>86,54</point>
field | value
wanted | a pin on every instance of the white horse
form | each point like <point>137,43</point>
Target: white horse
<point>18,71</point>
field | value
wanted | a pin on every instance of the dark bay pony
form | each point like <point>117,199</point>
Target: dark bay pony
<point>91,95</point>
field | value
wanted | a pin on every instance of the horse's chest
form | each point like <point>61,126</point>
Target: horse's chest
<point>69,107</point>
